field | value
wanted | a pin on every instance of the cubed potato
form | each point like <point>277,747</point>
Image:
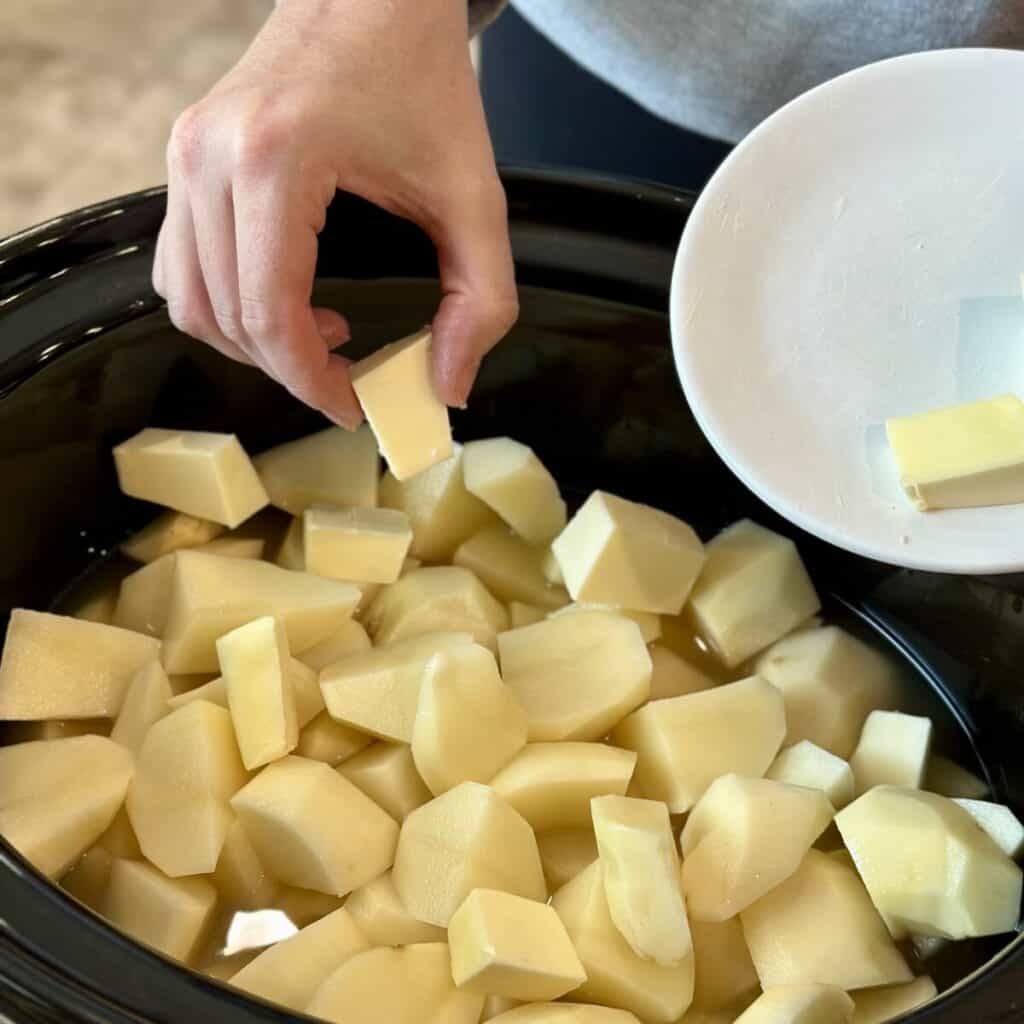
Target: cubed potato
<point>89,879</point>
<point>947,778</point>
<point>57,797</point>
<point>291,971</point>
<point>120,839</point>
<point>234,547</point>
<point>509,946</point>
<point>510,568</point>
<point>551,569</point>
<point>382,917</point>
<point>313,828</point>
<point>144,599</point>
<point>725,976</point>
<point>206,475</point>
<point>576,675</point>
<point>223,967</point>
<point>145,702</point>
<point>350,638</point>
<point>831,681</point>
<point>436,599</point>
<point>616,976</point>
<point>329,741</point>
<point>468,723</point>
<point>96,603</point>
<point>468,838</point>
<point>649,623</point>
<point>893,750</point>
<point>629,555</point>
<point>685,743</point>
<point>240,878</point>
<point>214,692</point>
<point>54,666</point>
<point>927,865</point>
<point>377,690</point>
<point>254,660</point>
<point>877,1005</point>
<point>564,1013</point>
<point>52,729</point>
<point>309,701</point>
<point>364,545</point>
<point>440,509</point>
<point>304,906</point>
<point>799,1004</point>
<point>564,853</point>
<point>640,867</point>
<point>508,476</point>
<point>291,554</point>
<point>169,532</point>
<point>412,985</point>
<point>999,823</point>
<point>395,387</point>
<point>170,914</point>
<point>520,614</point>
<point>807,764</point>
<point>752,591</point>
<point>213,595</point>
<point>496,1005</point>
<point>331,467</point>
<point>819,927</point>
<point>551,784</point>
<point>387,774</point>
<point>674,676</point>
<point>187,768</point>
<point>743,838</point>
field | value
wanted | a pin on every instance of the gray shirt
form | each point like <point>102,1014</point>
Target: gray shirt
<point>720,66</point>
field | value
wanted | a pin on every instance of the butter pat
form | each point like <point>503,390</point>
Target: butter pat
<point>963,456</point>
<point>364,545</point>
<point>396,391</point>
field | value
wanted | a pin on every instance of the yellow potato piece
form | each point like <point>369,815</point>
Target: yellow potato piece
<point>387,774</point>
<point>350,638</point>
<point>640,868</point>
<point>313,828</point>
<point>53,729</point>
<point>673,676</point>
<point>120,839</point>
<point>495,1005</point>
<point>206,475</point>
<point>893,750</point>
<point>576,675</point>
<point>309,701</point>
<point>57,797</point>
<point>241,878</point>
<point>752,591</point>
<point>800,1004</point>
<point>999,823</point>
<point>616,976</point>
<point>54,666</point>
<point>685,743</point>
<point>169,532</point>
<point>96,604</point>
<point>743,838</point>
<point>364,545</point>
<point>291,554</point>
<point>725,975</point>
<point>382,917</point>
<point>332,467</point>
<point>649,623</point>
<point>877,1005</point>
<point>508,946</point>
<point>565,1013</point>
<point>622,553</point>
<point>89,879</point>
<point>564,853</point>
<point>927,865</point>
<point>412,985</point>
<point>214,692</point>
<point>520,614</point>
<point>806,764</point>
<point>329,741</point>
<point>947,778</point>
<point>551,784</point>
<point>468,722</point>
<point>145,702</point>
<point>234,547</point>
<point>145,597</point>
<point>819,928</point>
<point>468,838</point>
<point>304,906</point>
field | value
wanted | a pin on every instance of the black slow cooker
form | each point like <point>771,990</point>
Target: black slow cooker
<point>87,357</point>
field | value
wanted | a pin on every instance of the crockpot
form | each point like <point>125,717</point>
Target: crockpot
<point>87,357</point>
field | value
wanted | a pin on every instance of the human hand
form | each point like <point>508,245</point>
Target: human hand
<point>376,97</point>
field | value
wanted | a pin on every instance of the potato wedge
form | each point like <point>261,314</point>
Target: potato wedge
<point>510,568</point>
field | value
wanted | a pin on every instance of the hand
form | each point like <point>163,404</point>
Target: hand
<point>376,97</point>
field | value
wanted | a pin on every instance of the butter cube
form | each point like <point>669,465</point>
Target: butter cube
<point>629,555</point>
<point>509,946</point>
<point>364,545</point>
<point>205,475</point>
<point>396,390</point>
<point>962,456</point>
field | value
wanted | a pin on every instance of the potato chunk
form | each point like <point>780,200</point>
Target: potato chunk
<point>649,623</point>
<point>819,927</point>
<point>744,837</point>
<point>468,838</point>
<point>520,614</point>
<point>752,591</point>
<point>947,778</point>
<point>412,985</point>
<point>725,975</point>
<point>169,532</point>
<point>213,595</point>
<point>565,1013</point>
<point>509,477</point>
<point>806,764</point>
<point>169,914</point>
<point>468,723</point>
<point>999,823</point>
<point>382,917</point>
<point>144,599</point>
<point>564,853</point>
<point>800,1004</point>
<point>640,868</point>
<point>551,784</point>
<point>241,878</point>
<point>396,390</point>
<point>206,475</point>
<point>387,774</point>
<point>89,879</point>
<point>622,553</point>
<point>350,638</point>
<point>576,675</point>
<point>329,741</point>
<point>313,828</point>
<point>145,702</point>
<point>364,545</point>
<point>685,743</point>
<point>508,946</point>
<point>927,865</point>
<point>878,1005</point>
<point>214,692</point>
<point>616,976</point>
<point>893,751</point>
<point>54,666</point>
<point>673,676</point>
<point>57,797</point>
<point>331,467</point>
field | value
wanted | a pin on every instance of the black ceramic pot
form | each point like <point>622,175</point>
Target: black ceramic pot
<point>87,357</point>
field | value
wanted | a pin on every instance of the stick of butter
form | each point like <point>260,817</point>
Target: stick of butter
<point>963,456</point>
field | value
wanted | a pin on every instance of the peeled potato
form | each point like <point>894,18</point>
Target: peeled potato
<point>145,702</point>
<point>725,975</point>
<point>382,917</point>
<point>169,532</point>
<point>999,823</point>
<point>241,878</point>
<point>806,764</point>
<point>565,852</point>
<point>673,676</point>
<point>565,1013</point>
<point>350,638</point>
<point>364,545</point>
<point>329,741</point>
<point>878,1005</point>
<point>649,623</point>
<point>893,750</point>
<point>800,1004</point>
<point>144,598</point>
<point>387,774</point>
